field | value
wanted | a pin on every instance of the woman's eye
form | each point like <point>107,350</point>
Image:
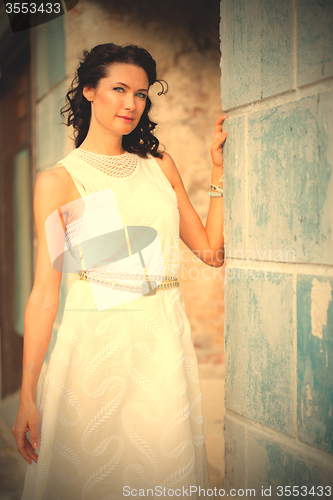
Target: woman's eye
<point>143,96</point>
<point>118,89</point>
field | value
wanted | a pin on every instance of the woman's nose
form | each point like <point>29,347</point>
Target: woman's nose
<point>129,101</point>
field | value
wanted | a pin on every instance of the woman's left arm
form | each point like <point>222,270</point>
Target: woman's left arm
<point>207,243</point>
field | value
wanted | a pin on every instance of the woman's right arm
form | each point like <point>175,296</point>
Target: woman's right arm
<point>51,192</point>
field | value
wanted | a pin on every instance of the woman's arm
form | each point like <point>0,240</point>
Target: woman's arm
<point>51,192</point>
<point>205,242</point>
<point>215,217</point>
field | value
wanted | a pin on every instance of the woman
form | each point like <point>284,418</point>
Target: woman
<point>120,408</point>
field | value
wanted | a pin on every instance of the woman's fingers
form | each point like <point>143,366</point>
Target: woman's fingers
<point>33,443</point>
<point>21,447</point>
<point>219,135</point>
<point>218,124</point>
<point>25,448</point>
<point>27,420</point>
<point>33,426</point>
<point>219,138</point>
<point>30,450</point>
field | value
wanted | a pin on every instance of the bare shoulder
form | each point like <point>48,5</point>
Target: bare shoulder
<point>53,189</point>
<point>54,186</point>
<point>54,177</point>
<point>166,160</point>
<point>169,168</point>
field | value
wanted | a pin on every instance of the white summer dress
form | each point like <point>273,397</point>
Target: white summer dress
<point>121,404</point>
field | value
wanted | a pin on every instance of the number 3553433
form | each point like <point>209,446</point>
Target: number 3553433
<point>32,8</point>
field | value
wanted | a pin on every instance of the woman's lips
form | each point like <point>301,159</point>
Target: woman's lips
<point>127,119</point>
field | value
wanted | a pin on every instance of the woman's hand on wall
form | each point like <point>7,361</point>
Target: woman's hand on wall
<point>219,138</point>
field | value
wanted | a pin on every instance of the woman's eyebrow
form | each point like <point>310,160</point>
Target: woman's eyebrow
<point>121,83</point>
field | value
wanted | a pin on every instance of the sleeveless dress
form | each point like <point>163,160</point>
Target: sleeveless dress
<point>121,405</point>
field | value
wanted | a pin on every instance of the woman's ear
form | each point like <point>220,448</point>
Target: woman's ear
<point>88,93</point>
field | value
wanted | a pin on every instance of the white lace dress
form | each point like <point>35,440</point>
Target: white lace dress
<point>121,405</point>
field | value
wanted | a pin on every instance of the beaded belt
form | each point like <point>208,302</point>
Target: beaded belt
<point>101,278</point>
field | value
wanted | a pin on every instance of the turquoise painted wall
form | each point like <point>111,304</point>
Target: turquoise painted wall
<point>277,89</point>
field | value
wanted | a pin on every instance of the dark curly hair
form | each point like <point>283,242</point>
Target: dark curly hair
<point>93,67</point>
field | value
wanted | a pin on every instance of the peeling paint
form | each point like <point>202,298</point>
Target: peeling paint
<point>258,339</point>
<point>321,295</point>
<point>293,210</point>
<point>272,463</point>
<point>308,399</point>
<point>315,361</point>
<point>315,40</point>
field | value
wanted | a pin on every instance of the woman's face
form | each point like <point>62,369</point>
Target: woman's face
<point>119,100</point>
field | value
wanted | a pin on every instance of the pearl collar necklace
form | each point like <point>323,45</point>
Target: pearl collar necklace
<point>120,166</point>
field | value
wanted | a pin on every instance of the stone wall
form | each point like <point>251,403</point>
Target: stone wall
<point>277,86</point>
